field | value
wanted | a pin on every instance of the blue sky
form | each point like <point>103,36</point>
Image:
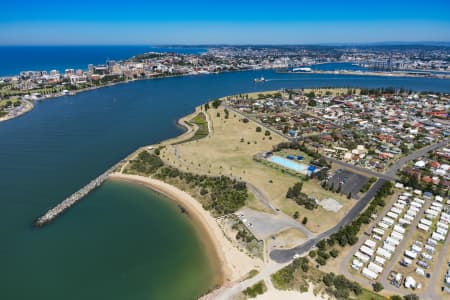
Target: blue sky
<point>231,22</point>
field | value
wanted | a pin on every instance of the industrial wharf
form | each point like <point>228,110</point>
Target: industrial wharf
<point>51,214</point>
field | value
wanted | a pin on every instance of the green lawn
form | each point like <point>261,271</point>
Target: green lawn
<point>368,295</point>
<point>202,131</point>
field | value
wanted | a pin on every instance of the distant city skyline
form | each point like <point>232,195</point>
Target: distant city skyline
<point>231,22</point>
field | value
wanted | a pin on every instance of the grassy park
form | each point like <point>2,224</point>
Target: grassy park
<point>230,149</point>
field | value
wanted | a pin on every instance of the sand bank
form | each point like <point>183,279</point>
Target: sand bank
<point>233,263</point>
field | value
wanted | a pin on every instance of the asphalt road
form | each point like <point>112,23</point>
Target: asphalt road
<point>392,171</point>
<point>283,256</point>
<point>360,170</point>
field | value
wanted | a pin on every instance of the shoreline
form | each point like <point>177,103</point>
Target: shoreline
<point>227,262</point>
<point>365,73</point>
<point>341,72</point>
<point>29,107</point>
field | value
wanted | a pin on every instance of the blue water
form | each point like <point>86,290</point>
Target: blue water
<point>14,59</point>
<point>290,164</point>
<point>103,245</point>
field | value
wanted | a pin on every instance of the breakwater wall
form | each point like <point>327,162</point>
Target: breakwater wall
<point>54,212</point>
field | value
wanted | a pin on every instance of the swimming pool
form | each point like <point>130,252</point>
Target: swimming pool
<point>290,164</point>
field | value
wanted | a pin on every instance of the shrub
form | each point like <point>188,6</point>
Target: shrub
<point>216,103</point>
<point>255,290</point>
<point>334,253</point>
<point>411,297</point>
<point>377,287</point>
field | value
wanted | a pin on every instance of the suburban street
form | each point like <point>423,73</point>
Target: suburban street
<point>282,256</point>
<point>360,170</point>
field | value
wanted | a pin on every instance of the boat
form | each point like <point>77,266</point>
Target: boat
<point>261,79</point>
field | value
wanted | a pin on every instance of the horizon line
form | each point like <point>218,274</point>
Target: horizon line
<point>390,43</point>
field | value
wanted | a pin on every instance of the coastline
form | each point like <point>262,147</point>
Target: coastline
<point>227,262</point>
<point>29,106</point>
<point>341,72</point>
<point>366,73</point>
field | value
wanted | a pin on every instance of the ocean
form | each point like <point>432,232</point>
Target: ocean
<point>122,241</point>
<point>14,59</point>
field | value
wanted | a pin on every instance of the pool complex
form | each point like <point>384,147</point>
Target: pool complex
<point>290,164</point>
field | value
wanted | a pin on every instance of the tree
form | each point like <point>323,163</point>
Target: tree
<point>321,261</point>
<point>328,279</point>
<point>312,102</point>
<point>206,106</point>
<point>377,287</point>
<point>396,297</point>
<point>296,215</point>
<point>258,129</point>
<point>267,133</point>
<point>411,297</point>
<point>305,220</point>
<point>216,103</point>
<point>334,253</point>
<point>245,120</point>
<point>338,189</point>
<point>294,192</point>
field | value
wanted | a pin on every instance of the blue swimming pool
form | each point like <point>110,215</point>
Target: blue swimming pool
<point>290,164</point>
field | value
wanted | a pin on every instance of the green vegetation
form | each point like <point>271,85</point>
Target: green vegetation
<point>299,274</point>
<point>284,278</point>
<point>348,235</point>
<point>340,287</point>
<point>411,297</point>
<point>368,185</point>
<point>202,131</point>
<point>258,288</point>
<point>8,103</point>
<point>295,193</point>
<point>246,238</point>
<point>222,195</point>
<point>251,274</point>
<point>369,295</point>
<point>318,159</point>
<point>216,103</point>
<point>146,163</point>
<point>377,287</point>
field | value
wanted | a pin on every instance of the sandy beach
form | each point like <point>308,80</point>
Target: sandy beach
<point>233,264</point>
<point>274,294</point>
<point>28,107</point>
